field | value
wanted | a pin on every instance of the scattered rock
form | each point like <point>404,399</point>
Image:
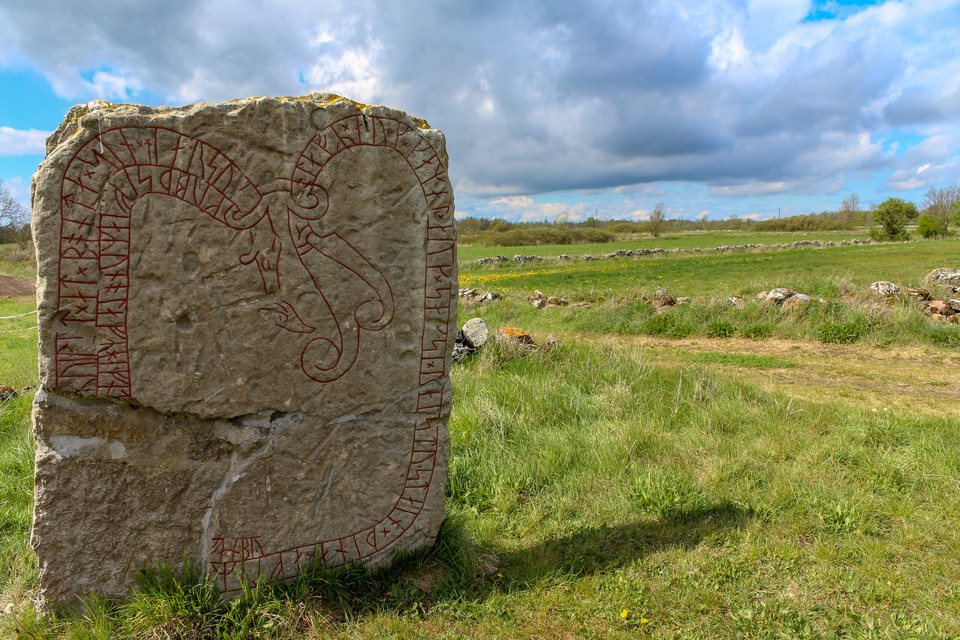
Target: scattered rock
<point>522,258</point>
<point>662,300</point>
<point>954,304</point>
<point>470,297</point>
<point>563,257</point>
<point>938,308</point>
<point>780,294</point>
<point>921,295</point>
<point>7,393</point>
<point>476,331</point>
<point>512,335</point>
<point>885,288</point>
<point>493,260</point>
<point>588,258</point>
<point>540,300</point>
<point>684,300</point>
<point>462,347</point>
<point>737,301</point>
<point>552,342</point>
<point>944,276</point>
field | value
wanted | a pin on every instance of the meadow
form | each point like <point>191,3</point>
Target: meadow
<point>714,471</point>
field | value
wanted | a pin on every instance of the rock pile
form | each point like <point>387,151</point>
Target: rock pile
<point>471,297</point>
<point>540,300</point>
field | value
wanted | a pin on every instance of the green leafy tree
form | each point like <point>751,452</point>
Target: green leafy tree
<point>929,226</point>
<point>892,216</point>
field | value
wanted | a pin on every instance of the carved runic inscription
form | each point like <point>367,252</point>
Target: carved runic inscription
<point>277,306</point>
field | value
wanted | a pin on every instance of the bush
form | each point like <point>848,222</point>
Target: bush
<point>929,226</point>
<point>755,331</point>
<point>840,332</point>
<point>892,215</point>
<point>720,329</point>
<point>665,324</point>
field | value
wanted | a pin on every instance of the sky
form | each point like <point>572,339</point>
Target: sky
<point>752,108</point>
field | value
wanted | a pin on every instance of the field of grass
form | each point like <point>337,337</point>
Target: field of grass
<point>677,240</point>
<point>709,472</point>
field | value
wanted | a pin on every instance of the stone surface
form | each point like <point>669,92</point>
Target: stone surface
<point>944,276</point>
<point>476,330</point>
<point>885,288</point>
<point>780,294</point>
<point>246,318</point>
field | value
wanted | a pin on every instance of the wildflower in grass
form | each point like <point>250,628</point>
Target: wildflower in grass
<point>644,621</point>
<point>624,614</point>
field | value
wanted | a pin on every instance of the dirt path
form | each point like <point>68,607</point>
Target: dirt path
<point>916,379</point>
<point>16,287</point>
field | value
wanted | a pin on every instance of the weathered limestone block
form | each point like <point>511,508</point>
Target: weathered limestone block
<point>246,316</point>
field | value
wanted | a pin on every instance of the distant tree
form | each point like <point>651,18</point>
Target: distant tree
<point>940,201</point>
<point>929,226</point>
<point>892,215</point>
<point>14,218</point>
<point>657,220</point>
<point>850,209</point>
<point>702,222</point>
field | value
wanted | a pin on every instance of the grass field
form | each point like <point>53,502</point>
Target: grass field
<point>679,240</point>
<point>708,472</point>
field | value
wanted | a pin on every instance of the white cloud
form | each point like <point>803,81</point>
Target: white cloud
<point>745,97</point>
<point>15,142</point>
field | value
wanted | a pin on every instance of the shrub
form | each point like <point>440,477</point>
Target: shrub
<point>720,329</point>
<point>756,331</point>
<point>840,332</point>
<point>892,215</point>
<point>665,324</point>
<point>929,226</point>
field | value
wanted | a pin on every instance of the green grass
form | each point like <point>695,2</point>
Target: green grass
<point>598,477</point>
<point>744,360</point>
<point>680,240</point>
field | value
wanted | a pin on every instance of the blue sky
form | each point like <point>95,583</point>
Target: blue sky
<point>714,107</point>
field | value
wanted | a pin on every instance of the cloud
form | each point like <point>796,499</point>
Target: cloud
<point>14,142</point>
<point>748,97</point>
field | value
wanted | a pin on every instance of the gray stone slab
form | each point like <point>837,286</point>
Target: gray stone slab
<point>246,316</point>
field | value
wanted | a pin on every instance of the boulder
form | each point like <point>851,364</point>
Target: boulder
<point>475,329</point>
<point>462,347</point>
<point>944,276</point>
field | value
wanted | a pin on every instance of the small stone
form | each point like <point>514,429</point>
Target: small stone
<point>463,347</point>
<point>684,300</point>
<point>475,329</point>
<point>737,301</point>
<point>552,342</point>
<point>954,304</point>
<point>885,288</point>
<point>512,335</point>
<point>921,295</point>
<point>802,297</point>
<point>938,308</point>
<point>7,393</point>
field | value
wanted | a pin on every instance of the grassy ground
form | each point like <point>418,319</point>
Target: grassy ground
<point>644,479</point>
<point>679,240</point>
